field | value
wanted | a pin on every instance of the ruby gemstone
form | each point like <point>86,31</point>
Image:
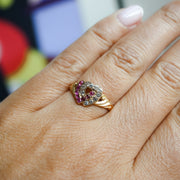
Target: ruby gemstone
<point>77,87</point>
<point>92,93</point>
<point>79,100</point>
<point>81,82</point>
<point>83,98</point>
<point>77,96</point>
<point>76,93</point>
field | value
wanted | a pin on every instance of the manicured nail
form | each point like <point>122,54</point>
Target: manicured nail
<point>131,15</point>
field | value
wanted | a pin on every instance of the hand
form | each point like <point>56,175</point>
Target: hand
<point>44,134</point>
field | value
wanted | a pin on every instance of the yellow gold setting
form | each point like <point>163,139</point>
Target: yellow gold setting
<point>85,93</point>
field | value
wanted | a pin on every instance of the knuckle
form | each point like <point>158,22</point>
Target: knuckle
<point>126,58</point>
<point>171,13</point>
<point>173,125</point>
<point>169,74</point>
<point>68,63</point>
<point>100,35</point>
<point>176,115</point>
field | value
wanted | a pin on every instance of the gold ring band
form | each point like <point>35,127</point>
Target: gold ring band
<point>85,93</point>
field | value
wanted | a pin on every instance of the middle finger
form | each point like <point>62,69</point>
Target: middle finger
<point>124,63</point>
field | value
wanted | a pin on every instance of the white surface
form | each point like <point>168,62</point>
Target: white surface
<point>149,6</point>
<point>94,10</point>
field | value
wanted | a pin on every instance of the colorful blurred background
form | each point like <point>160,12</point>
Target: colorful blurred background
<point>33,32</point>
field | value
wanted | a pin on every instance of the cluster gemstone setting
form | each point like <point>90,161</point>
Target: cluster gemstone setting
<point>86,93</point>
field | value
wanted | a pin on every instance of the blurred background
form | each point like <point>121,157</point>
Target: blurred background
<point>33,32</point>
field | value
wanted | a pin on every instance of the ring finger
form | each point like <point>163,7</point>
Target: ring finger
<point>118,69</point>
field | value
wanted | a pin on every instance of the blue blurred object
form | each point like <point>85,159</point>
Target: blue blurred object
<point>56,26</point>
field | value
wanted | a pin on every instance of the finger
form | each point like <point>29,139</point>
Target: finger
<point>55,79</point>
<point>160,156</point>
<point>149,101</point>
<point>124,63</point>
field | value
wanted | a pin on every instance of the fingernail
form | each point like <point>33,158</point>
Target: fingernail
<point>131,15</point>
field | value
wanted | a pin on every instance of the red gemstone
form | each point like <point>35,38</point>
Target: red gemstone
<point>92,93</point>
<point>79,100</point>
<point>83,98</point>
<point>77,87</point>
<point>76,93</point>
<point>87,97</point>
<point>81,82</point>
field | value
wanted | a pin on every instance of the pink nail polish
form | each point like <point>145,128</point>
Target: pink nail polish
<point>131,15</point>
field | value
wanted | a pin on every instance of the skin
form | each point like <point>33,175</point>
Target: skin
<point>44,134</point>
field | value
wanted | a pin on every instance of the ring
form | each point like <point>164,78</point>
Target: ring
<point>85,93</point>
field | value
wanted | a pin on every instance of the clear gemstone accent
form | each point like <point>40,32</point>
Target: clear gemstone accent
<point>96,88</point>
<point>83,93</point>
<point>98,94</point>
<point>90,86</point>
<point>83,86</point>
<point>87,83</point>
<point>95,99</point>
<point>90,101</point>
<point>86,103</point>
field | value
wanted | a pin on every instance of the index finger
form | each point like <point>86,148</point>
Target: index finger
<point>55,79</point>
